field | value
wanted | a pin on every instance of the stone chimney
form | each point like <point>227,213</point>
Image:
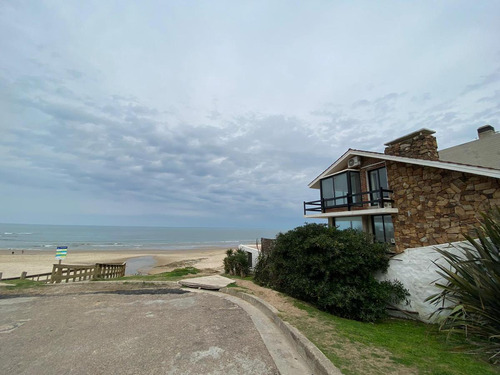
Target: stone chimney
<point>485,131</point>
<point>420,144</point>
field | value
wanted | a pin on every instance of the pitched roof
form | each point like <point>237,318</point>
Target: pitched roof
<point>484,152</point>
<point>341,164</point>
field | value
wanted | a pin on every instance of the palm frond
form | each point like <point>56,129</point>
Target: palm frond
<point>470,294</point>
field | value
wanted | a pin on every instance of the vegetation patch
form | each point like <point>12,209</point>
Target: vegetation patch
<point>331,269</point>
<point>236,263</point>
<point>390,346</point>
<point>22,284</point>
<point>236,277</point>
<point>176,274</point>
<point>470,296</point>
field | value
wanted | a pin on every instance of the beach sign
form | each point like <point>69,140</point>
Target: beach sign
<point>61,252</point>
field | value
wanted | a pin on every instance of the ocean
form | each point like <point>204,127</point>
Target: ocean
<point>80,237</point>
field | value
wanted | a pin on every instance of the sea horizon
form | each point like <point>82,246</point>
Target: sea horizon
<point>47,237</point>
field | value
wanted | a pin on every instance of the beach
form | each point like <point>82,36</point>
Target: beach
<point>14,261</point>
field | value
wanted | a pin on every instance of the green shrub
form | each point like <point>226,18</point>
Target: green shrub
<point>472,287</point>
<point>236,263</point>
<point>331,269</point>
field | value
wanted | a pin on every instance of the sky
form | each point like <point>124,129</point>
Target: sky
<point>219,113</point>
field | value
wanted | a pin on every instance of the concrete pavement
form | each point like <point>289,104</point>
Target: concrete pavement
<point>101,328</point>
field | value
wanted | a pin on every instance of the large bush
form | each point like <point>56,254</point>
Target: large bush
<point>331,269</point>
<point>472,287</point>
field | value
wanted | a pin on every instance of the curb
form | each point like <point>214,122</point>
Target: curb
<point>316,360</point>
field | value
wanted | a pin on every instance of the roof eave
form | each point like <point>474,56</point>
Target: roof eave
<point>457,167</point>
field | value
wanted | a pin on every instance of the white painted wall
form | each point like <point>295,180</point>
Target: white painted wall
<point>415,268</point>
<point>252,250</point>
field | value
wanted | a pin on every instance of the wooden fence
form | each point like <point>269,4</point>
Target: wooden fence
<point>109,270</point>
<point>73,272</point>
<point>43,277</point>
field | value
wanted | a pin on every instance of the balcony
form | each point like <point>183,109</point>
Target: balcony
<point>380,199</point>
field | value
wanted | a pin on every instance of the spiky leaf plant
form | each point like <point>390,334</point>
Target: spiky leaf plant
<point>472,288</point>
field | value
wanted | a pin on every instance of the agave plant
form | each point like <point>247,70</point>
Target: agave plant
<point>472,287</point>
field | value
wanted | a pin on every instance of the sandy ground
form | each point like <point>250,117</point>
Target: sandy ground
<point>34,262</point>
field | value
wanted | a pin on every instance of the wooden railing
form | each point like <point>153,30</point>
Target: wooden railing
<point>67,272</point>
<point>43,277</point>
<point>73,272</point>
<point>109,270</point>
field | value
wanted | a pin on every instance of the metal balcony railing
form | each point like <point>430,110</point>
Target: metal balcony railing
<point>379,197</point>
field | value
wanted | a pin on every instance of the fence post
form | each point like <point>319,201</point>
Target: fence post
<point>0,276</point>
<point>53,276</point>
<point>58,273</point>
<point>97,271</point>
<point>23,275</point>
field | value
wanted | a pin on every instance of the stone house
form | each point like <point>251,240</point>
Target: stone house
<point>411,195</point>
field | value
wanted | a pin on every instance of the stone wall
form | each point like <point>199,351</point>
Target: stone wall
<point>435,205</point>
<point>418,145</point>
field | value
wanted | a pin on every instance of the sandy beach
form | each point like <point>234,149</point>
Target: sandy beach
<point>34,262</point>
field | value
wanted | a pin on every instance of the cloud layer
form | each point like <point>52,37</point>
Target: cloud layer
<point>220,113</point>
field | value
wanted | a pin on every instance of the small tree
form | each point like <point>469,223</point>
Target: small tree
<point>472,287</point>
<point>236,263</point>
<point>331,269</point>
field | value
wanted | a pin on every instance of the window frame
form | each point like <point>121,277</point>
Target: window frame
<point>375,196</point>
<point>332,201</point>
<point>350,219</point>
<point>386,240</point>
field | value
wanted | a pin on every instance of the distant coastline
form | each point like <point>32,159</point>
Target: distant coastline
<point>106,238</point>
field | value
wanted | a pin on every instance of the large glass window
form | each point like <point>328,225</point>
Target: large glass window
<point>340,188</point>
<point>327,191</point>
<point>335,189</point>
<point>377,179</point>
<point>353,222</point>
<point>383,228</point>
<point>355,187</point>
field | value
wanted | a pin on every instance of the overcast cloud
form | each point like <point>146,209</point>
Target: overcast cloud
<point>219,113</point>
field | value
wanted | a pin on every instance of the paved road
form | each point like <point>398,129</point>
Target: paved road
<point>71,329</point>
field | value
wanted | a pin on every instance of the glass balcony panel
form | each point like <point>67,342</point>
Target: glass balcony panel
<point>374,184</point>
<point>355,187</point>
<point>383,180</point>
<point>327,191</point>
<point>341,188</point>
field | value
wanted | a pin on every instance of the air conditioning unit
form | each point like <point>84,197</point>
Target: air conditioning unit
<point>354,162</point>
